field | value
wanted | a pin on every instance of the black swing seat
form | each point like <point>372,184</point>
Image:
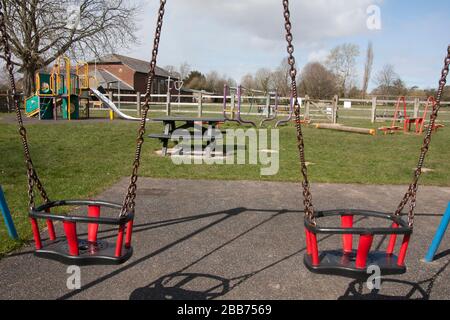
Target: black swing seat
<point>72,249</point>
<point>352,263</point>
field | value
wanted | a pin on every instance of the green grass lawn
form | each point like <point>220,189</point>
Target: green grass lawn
<point>81,159</point>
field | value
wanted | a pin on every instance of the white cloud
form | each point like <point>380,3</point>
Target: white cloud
<point>312,20</point>
<point>318,55</point>
<point>239,36</point>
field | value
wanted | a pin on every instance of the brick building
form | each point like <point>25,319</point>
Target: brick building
<point>129,75</point>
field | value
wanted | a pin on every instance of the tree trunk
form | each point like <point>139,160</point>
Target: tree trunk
<point>29,86</point>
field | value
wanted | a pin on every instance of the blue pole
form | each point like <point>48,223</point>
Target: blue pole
<point>439,236</point>
<point>7,216</point>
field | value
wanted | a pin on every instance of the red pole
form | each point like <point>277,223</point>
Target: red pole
<point>347,239</point>
<point>129,234</point>
<point>314,249</point>
<point>365,243</point>
<point>308,241</point>
<point>51,228</point>
<point>392,240</point>
<point>36,234</point>
<point>403,250</point>
<point>119,242</point>
<point>70,228</point>
<point>93,212</point>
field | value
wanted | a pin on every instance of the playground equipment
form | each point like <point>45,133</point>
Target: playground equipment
<point>339,127</point>
<point>178,85</point>
<point>402,113</point>
<point>235,116</point>
<point>333,262</point>
<point>289,114</point>
<point>7,216</point>
<point>112,106</point>
<point>421,121</point>
<point>346,260</point>
<point>43,102</point>
<point>271,112</point>
<point>60,88</point>
<point>438,236</point>
<point>71,249</point>
<point>401,103</point>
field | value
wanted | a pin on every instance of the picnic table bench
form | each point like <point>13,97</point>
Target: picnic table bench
<point>170,126</point>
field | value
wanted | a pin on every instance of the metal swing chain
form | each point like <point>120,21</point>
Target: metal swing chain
<point>129,202</point>
<point>411,194</point>
<point>33,179</point>
<point>309,208</point>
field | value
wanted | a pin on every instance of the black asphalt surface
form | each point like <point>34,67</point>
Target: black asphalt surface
<point>235,240</point>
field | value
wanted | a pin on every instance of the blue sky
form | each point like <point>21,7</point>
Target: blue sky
<point>236,37</point>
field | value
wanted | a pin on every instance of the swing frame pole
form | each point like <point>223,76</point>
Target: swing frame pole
<point>7,216</point>
<point>438,236</point>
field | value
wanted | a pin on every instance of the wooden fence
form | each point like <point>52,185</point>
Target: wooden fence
<point>373,109</point>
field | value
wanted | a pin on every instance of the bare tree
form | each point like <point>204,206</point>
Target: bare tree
<point>248,81</point>
<point>280,79</point>
<point>42,30</point>
<point>367,69</point>
<point>385,79</point>
<point>213,81</point>
<point>342,62</point>
<point>184,70</point>
<point>317,82</point>
<point>263,79</point>
<point>172,70</point>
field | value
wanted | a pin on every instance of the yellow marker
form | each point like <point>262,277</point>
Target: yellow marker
<point>111,115</point>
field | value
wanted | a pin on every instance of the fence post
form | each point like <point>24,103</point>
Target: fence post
<point>268,111</point>
<point>200,105</point>
<point>416,107</point>
<point>307,107</point>
<point>335,108</point>
<point>374,110</point>
<point>138,104</point>
<point>233,104</point>
<point>168,103</point>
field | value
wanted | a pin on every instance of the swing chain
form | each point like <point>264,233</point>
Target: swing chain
<point>309,208</point>
<point>411,194</point>
<point>129,202</point>
<point>33,179</point>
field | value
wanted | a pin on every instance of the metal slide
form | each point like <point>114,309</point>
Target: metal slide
<point>113,107</point>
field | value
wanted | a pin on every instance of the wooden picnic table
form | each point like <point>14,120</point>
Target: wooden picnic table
<point>170,126</point>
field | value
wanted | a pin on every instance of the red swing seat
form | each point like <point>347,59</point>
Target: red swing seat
<point>72,248</point>
<point>354,263</point>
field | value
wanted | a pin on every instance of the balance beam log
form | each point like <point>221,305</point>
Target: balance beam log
<point>338,127</point>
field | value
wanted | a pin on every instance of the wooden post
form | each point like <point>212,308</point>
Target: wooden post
<point>373,118</point>
<point>416,107</point>
<point>335,108</point>
<point>200,105</point>
<point>168,103</point>
<point>138,104</point>
<point>268,106</point>
<point>307,108</point>
<point>233,104</point>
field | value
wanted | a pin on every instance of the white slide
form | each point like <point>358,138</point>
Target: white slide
<point>112,106</point>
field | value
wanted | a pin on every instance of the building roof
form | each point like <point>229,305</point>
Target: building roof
<point>106,79</point>
<point>137,65</point>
